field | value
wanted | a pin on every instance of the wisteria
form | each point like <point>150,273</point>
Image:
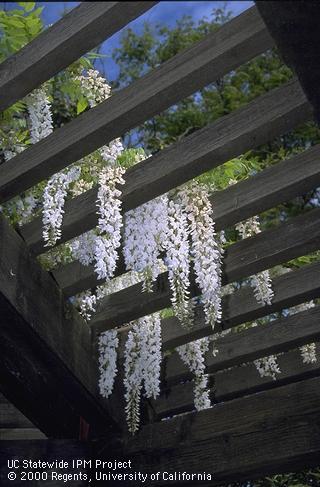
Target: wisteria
<point>142,365</point>
<point>193,355</point>
<point>308,351</point>
<point>95,87</point>
<point>108,344</point>
<point>40,115</point>
<point>261,283</point>
<point>268,366</point>
<point>109,222</point>
<point>54,197</point>
<point>145,232</point>
<point>177,261</point>
<point>205,250</point>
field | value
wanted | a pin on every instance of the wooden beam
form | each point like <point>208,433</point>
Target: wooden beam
<point>264,118</point>
<point>45,346</point>
<point>299,236</point>
<point>272,186</point>
<point>269,432</point>
<point>11,417</point>
<point>295,29</point>
<point>82,29</point>
<point>238,348</point>
<point>241,306</point>
<point>236,42</point>
<point>235,382</point>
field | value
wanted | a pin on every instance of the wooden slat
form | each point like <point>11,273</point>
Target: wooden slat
<point>11,417</point>
<point>235,382</point>
<point>75,34</point>
<point>270,187</point>
<point>268,116</point>
<point>279,336</point>
<point>241,306</point>
<point>299,236</point>
<point>296,33</point>
<point>21,434</point>
<point>236,42</point>
<point>250,437</point>
<point>45,346</point>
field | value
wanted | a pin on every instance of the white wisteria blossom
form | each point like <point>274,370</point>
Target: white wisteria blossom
<point>87,304</point>
<point>268,366</point>
<point>308,351</point>
<point>133,378</point>
<point>177,261</point>
<point>54,197</point>
<point>108,344</point>
<point>40,115</point>
<point>145,232</point>
<point>83,247</point>
<point>193,355</point>
<point>205,249</point>
<point>142,365</point>
<point>261,283</point>
<point>110,221</point>
<point>95,87</point>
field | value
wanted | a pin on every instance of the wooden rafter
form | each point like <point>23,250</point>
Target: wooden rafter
<point>75,34</point>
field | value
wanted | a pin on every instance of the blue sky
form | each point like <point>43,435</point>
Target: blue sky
<point>165,13</point>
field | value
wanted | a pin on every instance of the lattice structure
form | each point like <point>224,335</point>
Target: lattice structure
<point>48,356</point>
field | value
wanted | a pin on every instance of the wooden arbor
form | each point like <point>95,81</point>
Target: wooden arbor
<point>48,361</point>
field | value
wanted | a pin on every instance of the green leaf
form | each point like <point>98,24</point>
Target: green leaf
<point>27,6</point>
<point>81,105</point>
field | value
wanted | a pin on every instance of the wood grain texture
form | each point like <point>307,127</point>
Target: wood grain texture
<point>236,42</point>
<point>75,34</point>
<point>11,417</point>
<point>299,236</point>
<point>270,187</point>
<point>45,346</point>
<point>260,121</point>
<point>241,306</point>
<point>235,382</point>
<point>279,336</point>
<point>268,432</point>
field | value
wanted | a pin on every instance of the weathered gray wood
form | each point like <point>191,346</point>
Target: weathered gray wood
<point>269,188</point>
<point>45,346</point>
<point>241,306</point>
<point>268,432</point>
<point>236,42</point>
<point>235,382</point>
<point>299,236</point>
<point>11,417</point>
<point>295,29</point>
<point>279,336</point>
<point>21,434</point>
<point>75,34</point>
<point>268,116</point>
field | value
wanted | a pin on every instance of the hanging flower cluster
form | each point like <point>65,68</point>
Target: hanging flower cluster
<point>142,365</point>
<point>193,355</point>
<point>205,249</point>
<point>268,366</point>
<point>177,261</point>
<point>40,115</point>
<point>54,197</point>
<point>95,87</point>
<point>145,232</point>
<point>308,352</point>
<point>108,344</point>
<point>261,282</point>
<point>109,223</point>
